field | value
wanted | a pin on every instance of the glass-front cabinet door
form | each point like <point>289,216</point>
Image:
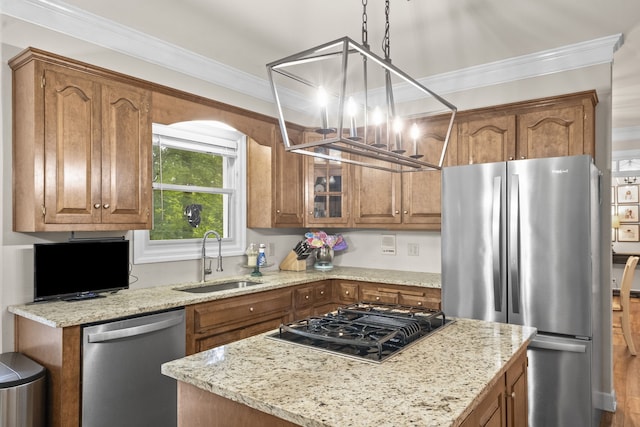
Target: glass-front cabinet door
<point>327,183</point>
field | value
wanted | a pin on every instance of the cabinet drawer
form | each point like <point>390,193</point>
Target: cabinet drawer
<point>240,310</point>
<point>387,296</point>
<point>427,297</point>
<point>217,340</point>
<point>347,292</point>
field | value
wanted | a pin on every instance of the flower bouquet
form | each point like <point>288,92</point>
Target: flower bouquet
<point>324,244</point>
<point>318,239</point>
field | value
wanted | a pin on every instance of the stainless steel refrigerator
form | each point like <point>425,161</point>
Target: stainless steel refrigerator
<point>520,244</point>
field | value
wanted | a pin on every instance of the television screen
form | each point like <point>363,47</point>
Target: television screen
<point>79,269</point>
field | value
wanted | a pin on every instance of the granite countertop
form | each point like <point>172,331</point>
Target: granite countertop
<point>435,382</point>
<point>130,302</point>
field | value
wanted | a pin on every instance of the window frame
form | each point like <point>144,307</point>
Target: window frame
<point>222,138</point>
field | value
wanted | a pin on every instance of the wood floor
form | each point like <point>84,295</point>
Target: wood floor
<point>626,373</point>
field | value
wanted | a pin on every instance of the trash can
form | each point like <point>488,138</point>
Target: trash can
<point>22,391</point>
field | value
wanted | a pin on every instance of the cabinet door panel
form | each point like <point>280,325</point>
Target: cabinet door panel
<point>327,183</point>
<point>289,181</point>
<point>517,398</point>
<point>421,191</point>
<point>126,177</point>
<point>551,133</point>
<point>72,148</point>
<point>377,196</point>
<point>486,140</point>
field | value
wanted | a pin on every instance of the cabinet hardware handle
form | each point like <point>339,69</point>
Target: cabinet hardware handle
<point>306,297</point>
<point>419,302</point>
<point>321,292</point>
<point>346,292</point>
<point>377,298</point>
<point>106,206</point>
<point>251,309</point>
<point>97,206</point>
<point>277,211</point>
<point>310,213</point>
<point>406,212</point>
<point>513,394</point>
<point>397,212</point>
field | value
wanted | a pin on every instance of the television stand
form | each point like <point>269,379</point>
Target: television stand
<point>82,297</point>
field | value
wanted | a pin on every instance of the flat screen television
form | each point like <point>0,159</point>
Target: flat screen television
<point>80,269</point>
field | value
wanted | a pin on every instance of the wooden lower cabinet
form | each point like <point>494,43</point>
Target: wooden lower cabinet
<point>200,408</point>
<point>313,299</point>
<point>220,322</point>
<point>400,294</point>
<point>505,404</point>
<point>346,291</point>
<point>517,397</point>
<point>59,351</point>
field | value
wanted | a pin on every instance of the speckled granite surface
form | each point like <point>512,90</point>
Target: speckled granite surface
<point>138,301</point>
<point>432,383</point>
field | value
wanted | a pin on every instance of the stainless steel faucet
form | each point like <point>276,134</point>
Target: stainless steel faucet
<point>207,270</point>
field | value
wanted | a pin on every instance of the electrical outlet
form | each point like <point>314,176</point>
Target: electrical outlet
<point>413,249</point>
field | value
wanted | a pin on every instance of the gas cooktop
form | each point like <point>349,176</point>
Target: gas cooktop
<point>365,331</point>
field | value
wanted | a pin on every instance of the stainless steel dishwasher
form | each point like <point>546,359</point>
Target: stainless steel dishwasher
<point>121,380</point>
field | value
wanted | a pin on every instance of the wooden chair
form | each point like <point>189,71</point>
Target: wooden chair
<point>625,292</point>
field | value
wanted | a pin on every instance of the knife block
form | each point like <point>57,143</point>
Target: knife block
<point>292,263</point>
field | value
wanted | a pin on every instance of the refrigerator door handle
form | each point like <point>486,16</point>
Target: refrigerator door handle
<point>546,345</point>
<point>495,242</point>
<point>514,241</point>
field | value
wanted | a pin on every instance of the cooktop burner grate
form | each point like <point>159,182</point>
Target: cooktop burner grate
<point>366,331</point>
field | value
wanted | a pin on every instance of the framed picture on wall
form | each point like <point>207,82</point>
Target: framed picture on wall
<point>627,194</point>
<point>628,213</point>
<point>629,233</point>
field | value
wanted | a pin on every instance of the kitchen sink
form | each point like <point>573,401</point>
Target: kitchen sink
<point>216,287</point>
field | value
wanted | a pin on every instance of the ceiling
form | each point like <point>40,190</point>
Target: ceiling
<point>427,37</point>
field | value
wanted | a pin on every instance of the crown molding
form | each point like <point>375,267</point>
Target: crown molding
<point>58,16</point>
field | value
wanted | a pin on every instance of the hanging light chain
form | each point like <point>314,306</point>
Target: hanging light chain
<point>386,45</point>
<point>365,34</point>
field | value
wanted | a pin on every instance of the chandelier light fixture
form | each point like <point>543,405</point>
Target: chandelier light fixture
<point>341,102</point>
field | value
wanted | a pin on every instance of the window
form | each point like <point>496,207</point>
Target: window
<point>198,182</point>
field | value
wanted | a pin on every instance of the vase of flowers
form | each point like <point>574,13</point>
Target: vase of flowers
<point>325,246</point>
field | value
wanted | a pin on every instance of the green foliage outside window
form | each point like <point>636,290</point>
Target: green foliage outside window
<point>176,167</point>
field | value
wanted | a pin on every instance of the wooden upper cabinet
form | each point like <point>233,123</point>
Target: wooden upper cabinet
<point>377,196</point>
<point>421,191</point>
<point>275,183</point>
<point>328,184</point>
<point>288,186</point>
<point>565,130</point>
<point>126,155</point>
<point>487,139</point>
<point>82,149</point>
<point>549,127</point>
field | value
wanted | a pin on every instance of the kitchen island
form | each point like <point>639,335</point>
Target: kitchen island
<point>438,381</point>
